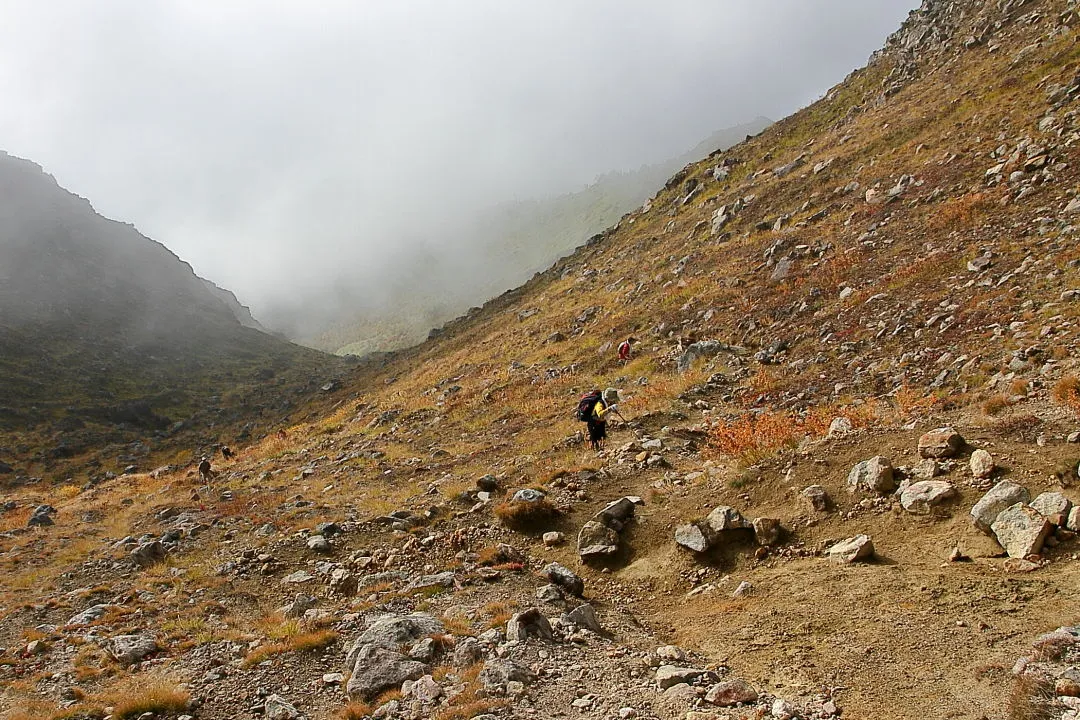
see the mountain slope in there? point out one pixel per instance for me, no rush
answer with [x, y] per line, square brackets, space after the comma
[107, 336]
[501, 248]
[898, 256]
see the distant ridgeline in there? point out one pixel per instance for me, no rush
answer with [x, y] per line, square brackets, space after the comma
[510, 242]
[107, 337]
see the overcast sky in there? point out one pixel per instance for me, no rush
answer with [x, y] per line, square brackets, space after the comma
[278, 146]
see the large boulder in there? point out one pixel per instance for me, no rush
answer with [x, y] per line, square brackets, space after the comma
[375, 669]
[940, 443]
[499, 672]
[670, 675]
[89, 615]
[1004, 494]
[731, 692]
[873, 475]
[527, 624]
[724, 519]
[852, 550]
[565, 578]
[816, 497]
[1053, 506]
[922, 497]
[583, 616]
[692, 537]
[597, 540]
[1021, 530]
[148, 553]
[130, 649]
[618, 512]
[278, 708]
[393, 631]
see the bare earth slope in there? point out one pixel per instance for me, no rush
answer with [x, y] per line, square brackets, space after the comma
[901, 255]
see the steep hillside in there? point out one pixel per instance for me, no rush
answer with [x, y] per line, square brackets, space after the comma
[502, 248]
[896, 258]
[106, 337]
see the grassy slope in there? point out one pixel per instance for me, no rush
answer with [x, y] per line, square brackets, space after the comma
[493, 395]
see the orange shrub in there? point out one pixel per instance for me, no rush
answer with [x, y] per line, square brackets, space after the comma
[1067, 392]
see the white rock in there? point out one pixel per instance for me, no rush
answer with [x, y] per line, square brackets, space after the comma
[851, 550]
[277, 708]
[1051, 504]
[922, 497]
[873, 475]
[1021, 530]
[999, 497]
[982, 464]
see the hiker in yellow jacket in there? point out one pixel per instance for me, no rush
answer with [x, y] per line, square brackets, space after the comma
[597, 423]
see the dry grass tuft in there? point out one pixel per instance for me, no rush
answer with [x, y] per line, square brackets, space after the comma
[1067, 392]
[996, 404]
[160, 697]
[300, 642]
[750, 437]
[357, 711]
[912, 402]
[526, 516]
[1032, 698]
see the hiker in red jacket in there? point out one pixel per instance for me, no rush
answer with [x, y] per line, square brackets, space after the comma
[624, 348]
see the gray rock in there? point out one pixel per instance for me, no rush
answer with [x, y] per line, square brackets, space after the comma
[499, 672]
[550, 594]
[982, 464]
[1003, 495]
[467, 652]
[725, 519]
[670, 675]
[1053, 506]
[343, 582]
[767, 531]
[584, 616]
[564, 577]
[922, 497]
[375, 669]
[130, 649]
[527, 624]
[425, 690]
[528, 495]
[278, 708]
[596, 540]
[692, 537]
[553, 538]
[42, 516]
[393, 631]
[1021, 530]
[816, 497]
[940, 443]
[148, 553]
[852, 550]
[427, 582]
[90, 615]
[745, 589]
[300, 605]
[702, 349]
[873, 475]
[423, 650]
[618, 512]
[783, 269]
[840, 427]
[731, 692]
[297, 578]
[318, 543]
